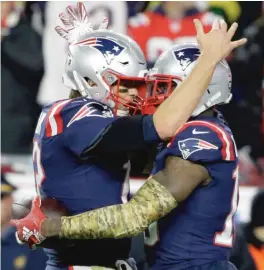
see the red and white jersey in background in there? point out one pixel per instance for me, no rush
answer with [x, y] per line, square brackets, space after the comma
[156, 33]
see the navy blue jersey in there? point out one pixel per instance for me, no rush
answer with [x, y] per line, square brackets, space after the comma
[200, 229]
[66, 129]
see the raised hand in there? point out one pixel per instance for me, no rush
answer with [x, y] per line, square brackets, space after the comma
[217, 44]
[76, 23]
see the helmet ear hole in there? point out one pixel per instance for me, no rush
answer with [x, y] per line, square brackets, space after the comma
[74, 94]
[90, 82]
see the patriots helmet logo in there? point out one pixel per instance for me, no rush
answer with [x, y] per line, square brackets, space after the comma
[186, 56]
[190, 146]
[108, 47]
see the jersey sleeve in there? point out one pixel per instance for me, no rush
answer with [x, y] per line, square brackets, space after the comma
[202, 143]
[86, 127]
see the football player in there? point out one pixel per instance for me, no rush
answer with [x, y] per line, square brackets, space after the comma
[200, 169]
[86, 180]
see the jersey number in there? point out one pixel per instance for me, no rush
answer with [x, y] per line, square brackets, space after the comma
[226, 237]
[125, 188]
[36, 154]
[151, 236]
[38, 169]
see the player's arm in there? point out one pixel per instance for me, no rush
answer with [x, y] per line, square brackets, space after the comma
[214, 46]
[130, 133]
[157, 197]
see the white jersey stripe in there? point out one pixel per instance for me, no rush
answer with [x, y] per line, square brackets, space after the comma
[220, 130]
[52, 120]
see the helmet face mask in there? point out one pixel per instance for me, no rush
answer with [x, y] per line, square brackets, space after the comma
[160, 87]
[127, 93]
[174, 65]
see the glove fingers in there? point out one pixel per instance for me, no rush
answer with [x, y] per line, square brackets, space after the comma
[73, 14]
[66, 20]
[82, 12]
[32, 243]
[33, 238]
[62, 32]
[76, 23]
[79, 15]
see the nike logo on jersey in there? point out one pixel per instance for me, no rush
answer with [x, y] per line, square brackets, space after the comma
[195, 132]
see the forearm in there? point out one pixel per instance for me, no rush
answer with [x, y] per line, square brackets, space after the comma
[176, 109]
[149, 204]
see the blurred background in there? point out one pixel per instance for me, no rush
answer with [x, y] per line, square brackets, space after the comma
[32, 63]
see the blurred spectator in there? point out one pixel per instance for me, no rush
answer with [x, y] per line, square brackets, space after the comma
[169, 22]
[10, 15]
[244, 113]
[229, 10]
[249, 12]
[6, 202]
[21, 71]
[135, 7]
[254, 231]
[13, 255]
[240, 255]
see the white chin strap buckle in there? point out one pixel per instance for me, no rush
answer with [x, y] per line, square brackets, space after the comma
[122, 113]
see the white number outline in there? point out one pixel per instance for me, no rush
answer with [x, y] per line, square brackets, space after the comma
[39, 172]
[126, 187]
[225, 238]
[153, 237]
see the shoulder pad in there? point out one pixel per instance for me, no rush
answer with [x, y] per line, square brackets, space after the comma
[64, 113]
[204, 141]
[81, 108]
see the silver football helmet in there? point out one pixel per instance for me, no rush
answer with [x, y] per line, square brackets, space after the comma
[174, 65]
[105, 58]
